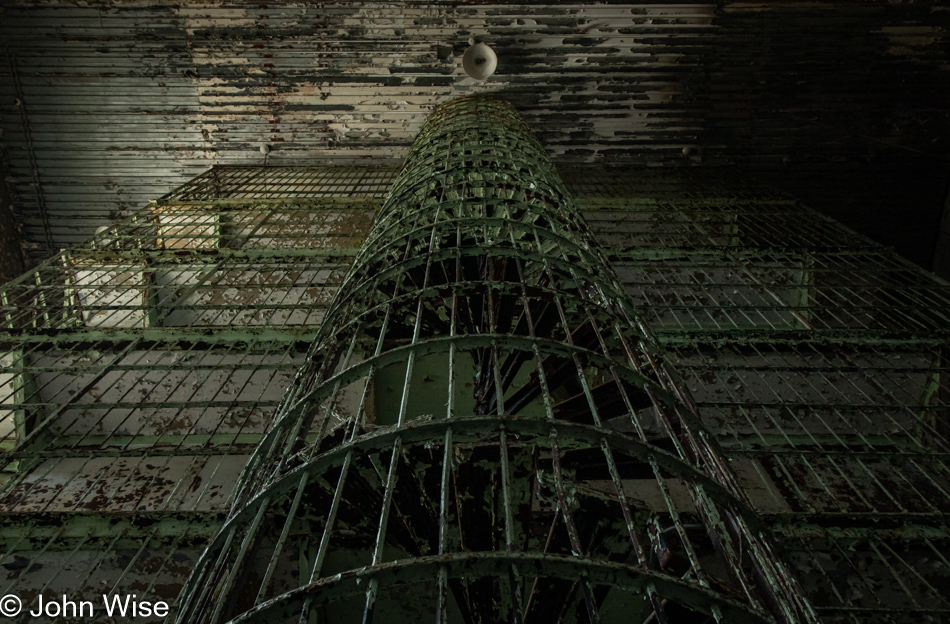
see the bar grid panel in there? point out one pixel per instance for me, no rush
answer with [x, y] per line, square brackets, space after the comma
[478, 412]
[819, 360]
[140, 371]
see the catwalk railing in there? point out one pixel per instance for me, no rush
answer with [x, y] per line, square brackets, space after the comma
[141, 370]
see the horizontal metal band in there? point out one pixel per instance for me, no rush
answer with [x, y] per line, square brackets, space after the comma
[442, 344]
[465, 287]
[379, 242]
[479, 430]
[348, 291]
[498, 564]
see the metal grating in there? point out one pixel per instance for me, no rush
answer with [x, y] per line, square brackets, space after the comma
[237, 182]
[819, 361]
[141, 371]
[479, 427]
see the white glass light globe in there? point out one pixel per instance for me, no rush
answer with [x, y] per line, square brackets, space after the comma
[479, 61]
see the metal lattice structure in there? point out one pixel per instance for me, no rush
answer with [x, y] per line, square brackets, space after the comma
[482, 389]
[141, 371]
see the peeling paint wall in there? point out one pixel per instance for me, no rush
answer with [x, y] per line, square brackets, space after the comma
[105, 105]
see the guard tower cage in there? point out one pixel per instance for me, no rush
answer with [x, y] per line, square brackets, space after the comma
[141, 372]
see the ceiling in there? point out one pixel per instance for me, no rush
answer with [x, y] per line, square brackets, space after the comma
[104, 105]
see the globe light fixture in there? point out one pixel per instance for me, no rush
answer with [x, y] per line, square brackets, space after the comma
[479, 61]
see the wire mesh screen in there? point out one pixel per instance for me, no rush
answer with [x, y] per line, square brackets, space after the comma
[236, 182]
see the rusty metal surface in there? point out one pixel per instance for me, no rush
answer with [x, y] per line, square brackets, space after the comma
[819, 362]
[140, 371]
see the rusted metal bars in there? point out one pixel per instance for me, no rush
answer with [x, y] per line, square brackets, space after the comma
[479, 294]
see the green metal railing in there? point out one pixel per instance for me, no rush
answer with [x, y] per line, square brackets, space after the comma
[139, 372]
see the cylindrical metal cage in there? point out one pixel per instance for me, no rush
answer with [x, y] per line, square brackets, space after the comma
[484, 431]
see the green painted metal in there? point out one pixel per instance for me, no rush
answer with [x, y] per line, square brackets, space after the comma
[481, 421]
[148, 366]
[38, 528]
[139, 372]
